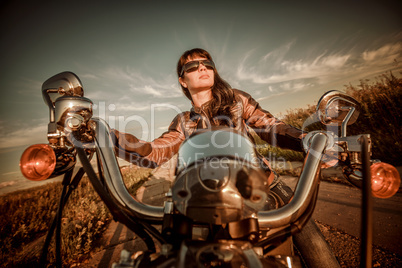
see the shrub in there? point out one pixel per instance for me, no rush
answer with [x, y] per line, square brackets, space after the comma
[380, 116]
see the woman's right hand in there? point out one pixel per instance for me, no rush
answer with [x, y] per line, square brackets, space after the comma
[130, 143]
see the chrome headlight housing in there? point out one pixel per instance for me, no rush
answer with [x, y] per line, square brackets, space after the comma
[219, 179]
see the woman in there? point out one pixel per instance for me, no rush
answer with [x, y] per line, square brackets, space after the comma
[216, 104]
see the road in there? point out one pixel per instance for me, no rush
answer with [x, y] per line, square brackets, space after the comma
[339, 206]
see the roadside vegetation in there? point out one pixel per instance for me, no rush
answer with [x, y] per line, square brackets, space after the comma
[380, 116]
[25, 216]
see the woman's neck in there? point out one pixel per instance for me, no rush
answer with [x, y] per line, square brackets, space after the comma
[201, 97]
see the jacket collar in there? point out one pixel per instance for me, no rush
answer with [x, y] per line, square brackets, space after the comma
[205, 109]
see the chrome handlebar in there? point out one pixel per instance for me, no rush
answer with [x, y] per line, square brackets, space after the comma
[114, 178]
[304, 191]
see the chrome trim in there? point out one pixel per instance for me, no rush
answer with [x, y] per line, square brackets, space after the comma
[353, 143]
[65, 83]
[330, 142]
[114, 178]
[72, 112]
[345, 122]
[334, 107]
[304, 191]
[240, 197]
[354, 175]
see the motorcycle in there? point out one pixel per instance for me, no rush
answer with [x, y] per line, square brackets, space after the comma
[215, 214]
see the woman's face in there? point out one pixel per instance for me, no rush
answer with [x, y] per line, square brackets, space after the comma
[201, 79]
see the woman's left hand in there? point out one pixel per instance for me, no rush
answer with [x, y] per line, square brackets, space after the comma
[330, 159]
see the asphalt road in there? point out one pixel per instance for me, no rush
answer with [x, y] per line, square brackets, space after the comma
[339, 206]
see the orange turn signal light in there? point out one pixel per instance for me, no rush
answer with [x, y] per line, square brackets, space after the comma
[38, 162]
[385, 180]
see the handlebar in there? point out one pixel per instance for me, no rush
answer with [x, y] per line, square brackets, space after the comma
[304, 191]
[114, 178]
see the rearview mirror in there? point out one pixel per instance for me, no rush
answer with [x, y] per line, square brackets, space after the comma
[65, 84]
[62, 84]
[337, 108]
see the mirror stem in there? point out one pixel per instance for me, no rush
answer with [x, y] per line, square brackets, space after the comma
[346, 120]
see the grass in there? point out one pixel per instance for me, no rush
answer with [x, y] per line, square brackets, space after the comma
[26, 216]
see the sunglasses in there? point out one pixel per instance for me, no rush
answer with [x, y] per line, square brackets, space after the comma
[192, 66]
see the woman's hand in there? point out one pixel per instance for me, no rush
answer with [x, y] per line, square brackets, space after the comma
[330, 159]
[130, 143]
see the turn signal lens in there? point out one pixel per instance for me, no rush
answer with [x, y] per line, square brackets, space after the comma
[385, 180]
[38, 162]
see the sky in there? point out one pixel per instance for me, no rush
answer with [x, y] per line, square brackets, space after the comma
[286, 54]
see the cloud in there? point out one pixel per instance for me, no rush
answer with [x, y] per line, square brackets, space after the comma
[89, 76]
[147, 89]
[289, 70]
[383, 55]
[24, 136]
[278, 67]
[285, 88]
[123, 109]
[138, 82]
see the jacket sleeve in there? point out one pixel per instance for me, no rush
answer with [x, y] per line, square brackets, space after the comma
[267, 127]
[150, 154]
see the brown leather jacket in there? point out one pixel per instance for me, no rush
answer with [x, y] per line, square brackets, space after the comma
[247, 113]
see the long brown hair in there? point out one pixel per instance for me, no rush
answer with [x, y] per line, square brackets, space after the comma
[223, 95]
